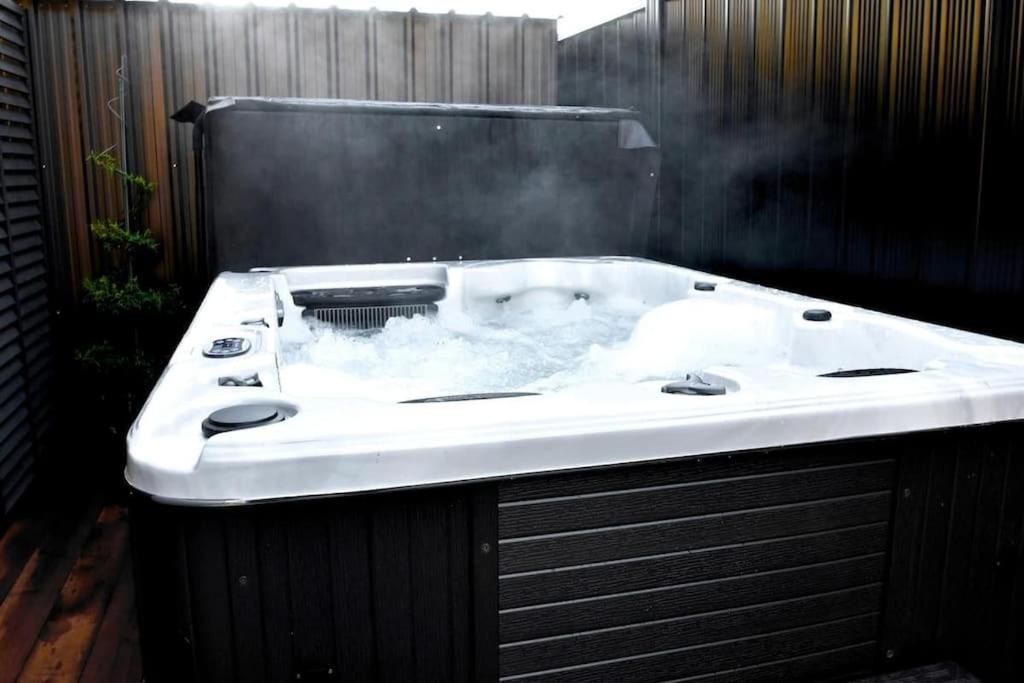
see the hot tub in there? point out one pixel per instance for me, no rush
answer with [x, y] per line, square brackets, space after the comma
[571, 470]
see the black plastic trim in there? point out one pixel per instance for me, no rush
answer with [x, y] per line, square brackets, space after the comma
[351, 297]
[867, 372]
[472, 397]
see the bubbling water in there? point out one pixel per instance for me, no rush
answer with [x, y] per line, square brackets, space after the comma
[540, 350]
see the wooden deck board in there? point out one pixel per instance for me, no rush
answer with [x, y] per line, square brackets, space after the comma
[115, 654]
[27, 606]
[16, 547]
[67, 599]
[67, 636]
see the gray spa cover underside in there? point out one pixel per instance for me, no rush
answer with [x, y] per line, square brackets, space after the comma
[291, 182]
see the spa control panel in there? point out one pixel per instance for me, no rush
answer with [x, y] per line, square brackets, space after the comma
[228, 347]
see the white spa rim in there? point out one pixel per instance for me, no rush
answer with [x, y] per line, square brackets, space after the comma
[349, 444]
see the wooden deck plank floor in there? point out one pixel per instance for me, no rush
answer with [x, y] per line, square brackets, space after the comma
[67, 603]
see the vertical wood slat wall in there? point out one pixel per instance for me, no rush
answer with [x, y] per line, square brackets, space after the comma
[865, 150]
[181, 52]
[26, 351]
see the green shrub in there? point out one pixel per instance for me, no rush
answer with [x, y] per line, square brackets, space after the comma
[129, 318]
[116, 238]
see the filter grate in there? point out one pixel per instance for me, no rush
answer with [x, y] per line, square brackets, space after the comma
[369, 317]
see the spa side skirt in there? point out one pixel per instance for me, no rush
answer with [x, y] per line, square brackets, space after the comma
[797, 563]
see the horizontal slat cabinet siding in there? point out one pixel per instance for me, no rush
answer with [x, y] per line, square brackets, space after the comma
[26, 355]
[667, 571]
[691, 499]
[692, 533]
[794, 564]
[772, 556]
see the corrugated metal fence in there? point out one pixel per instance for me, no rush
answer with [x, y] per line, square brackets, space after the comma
[867, 151]
[179, 52]
[605, 65]
[26, 353]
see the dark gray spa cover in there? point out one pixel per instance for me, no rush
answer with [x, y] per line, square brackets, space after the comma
[289, 182]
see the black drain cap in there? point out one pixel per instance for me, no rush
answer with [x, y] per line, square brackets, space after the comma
[704, 286]
[240, 417]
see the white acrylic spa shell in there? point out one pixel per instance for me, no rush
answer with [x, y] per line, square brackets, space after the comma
[752, 340]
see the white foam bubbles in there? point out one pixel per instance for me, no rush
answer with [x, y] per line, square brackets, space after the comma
[545, 348]
[452, 353]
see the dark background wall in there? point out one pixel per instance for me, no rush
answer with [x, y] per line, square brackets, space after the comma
[866, 151]
[180, 52]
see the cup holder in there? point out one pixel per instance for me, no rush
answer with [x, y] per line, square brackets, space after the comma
[245, 416]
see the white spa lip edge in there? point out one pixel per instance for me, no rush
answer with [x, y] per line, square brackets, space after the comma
[348, 445]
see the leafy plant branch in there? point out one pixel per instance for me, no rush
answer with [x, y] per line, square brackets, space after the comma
[107, 162]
